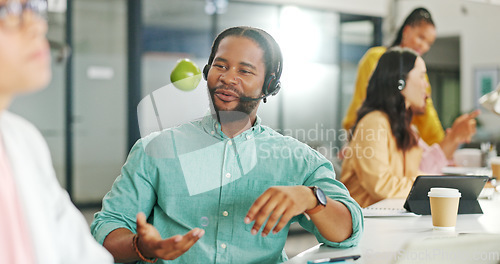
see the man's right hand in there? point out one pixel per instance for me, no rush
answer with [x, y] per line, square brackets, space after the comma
[151, 245]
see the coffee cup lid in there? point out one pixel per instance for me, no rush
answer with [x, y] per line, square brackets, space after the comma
[444, 192]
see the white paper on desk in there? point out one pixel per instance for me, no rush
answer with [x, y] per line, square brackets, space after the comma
[451, 249]
[480, 171]
[387, 208]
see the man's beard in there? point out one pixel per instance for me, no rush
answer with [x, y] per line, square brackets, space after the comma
[241, 111]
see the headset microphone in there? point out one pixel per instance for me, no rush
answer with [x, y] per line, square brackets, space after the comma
[271, 87]
[248, 99]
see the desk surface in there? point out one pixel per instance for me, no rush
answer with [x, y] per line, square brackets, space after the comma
[384, 236]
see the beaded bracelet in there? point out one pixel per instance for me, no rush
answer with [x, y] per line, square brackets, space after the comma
[135, 240]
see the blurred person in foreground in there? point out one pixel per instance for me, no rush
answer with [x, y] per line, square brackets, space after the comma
[38, 222]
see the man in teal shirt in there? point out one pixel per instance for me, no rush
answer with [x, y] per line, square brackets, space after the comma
[229, 184]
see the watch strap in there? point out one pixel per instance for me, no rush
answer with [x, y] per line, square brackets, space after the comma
[318, 207]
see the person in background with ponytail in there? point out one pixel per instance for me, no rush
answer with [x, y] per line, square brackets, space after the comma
[418, 32]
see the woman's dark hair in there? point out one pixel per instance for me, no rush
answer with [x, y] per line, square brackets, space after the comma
[416, 17]
[383, 94]
[272, 52]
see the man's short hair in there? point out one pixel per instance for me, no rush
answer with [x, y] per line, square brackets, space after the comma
[272, 52]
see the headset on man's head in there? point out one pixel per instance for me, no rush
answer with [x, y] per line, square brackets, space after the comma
[272, 83]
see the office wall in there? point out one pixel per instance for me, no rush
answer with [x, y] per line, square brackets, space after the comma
[445, 53]
[361, 7]
[475, 24]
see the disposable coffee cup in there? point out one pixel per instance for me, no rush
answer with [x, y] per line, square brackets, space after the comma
[444, 208]
[495, 167]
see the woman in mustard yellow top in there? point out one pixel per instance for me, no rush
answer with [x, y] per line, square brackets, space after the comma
[383, 155]
[418, 33]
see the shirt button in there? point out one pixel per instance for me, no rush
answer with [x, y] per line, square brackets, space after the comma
[223, 245]
[228, 175]
[230, 142]
[225, 213]
[216, 125]
[249, 137]
[213, 132]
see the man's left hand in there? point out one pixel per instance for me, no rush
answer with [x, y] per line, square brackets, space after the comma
[279, 203]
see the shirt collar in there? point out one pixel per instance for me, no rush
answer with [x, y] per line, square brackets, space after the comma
[211, 126]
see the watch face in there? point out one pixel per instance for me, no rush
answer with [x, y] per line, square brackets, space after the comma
[320, 195]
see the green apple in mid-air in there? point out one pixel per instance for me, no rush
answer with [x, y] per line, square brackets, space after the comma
[186, 75]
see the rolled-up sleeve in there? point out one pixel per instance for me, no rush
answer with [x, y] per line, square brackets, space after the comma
[131, 193]
[324, 177]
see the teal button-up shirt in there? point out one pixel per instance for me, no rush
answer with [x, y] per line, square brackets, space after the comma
[195, 176]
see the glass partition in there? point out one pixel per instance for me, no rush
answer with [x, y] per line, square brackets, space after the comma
[307, 107]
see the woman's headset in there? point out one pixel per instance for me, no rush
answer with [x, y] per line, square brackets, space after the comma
[401, 82]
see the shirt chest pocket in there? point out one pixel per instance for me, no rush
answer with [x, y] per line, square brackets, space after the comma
[190, 211]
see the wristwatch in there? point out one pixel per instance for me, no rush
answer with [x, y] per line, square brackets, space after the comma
[321, 197]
